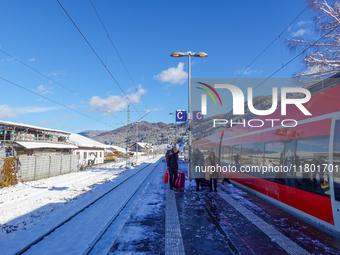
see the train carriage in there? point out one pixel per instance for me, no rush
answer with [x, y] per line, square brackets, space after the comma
[307, 155]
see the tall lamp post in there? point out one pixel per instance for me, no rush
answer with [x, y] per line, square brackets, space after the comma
[199, 54]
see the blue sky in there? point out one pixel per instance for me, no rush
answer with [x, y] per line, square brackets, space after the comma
[145, 33]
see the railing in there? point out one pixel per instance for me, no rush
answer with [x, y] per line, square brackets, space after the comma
[30, 137]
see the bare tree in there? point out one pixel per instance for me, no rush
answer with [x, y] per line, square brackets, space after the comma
[321, 58]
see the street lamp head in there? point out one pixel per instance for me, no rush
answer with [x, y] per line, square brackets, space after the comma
[200, 54]
[178, 54]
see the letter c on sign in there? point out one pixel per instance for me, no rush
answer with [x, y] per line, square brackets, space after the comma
[178, 117]
[199, 115]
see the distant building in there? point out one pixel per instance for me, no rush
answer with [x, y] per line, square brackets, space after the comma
[89, 151]
[115, 149]
[142, 147]
[41, 152]
[17, 139]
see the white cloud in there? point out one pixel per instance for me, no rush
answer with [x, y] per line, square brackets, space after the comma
[302, 22]
[35, 109]
[31, 60]
[300, 32]
[174, 75]
[54, 73]
[6, 112]
[47, 122]
[115, 103]
[43, 90]
[154, 109]
[248, 71]
[53, 120]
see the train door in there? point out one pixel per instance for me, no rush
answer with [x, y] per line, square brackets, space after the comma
[334, 171]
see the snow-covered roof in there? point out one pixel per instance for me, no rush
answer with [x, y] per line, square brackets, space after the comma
[10, 123]
[35, 145]
[143, 145]
[116, 148]
[82, 141]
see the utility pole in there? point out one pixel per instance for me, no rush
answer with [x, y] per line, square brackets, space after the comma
[128, 137]
[127, 149]
[137, 150]
[148, 144]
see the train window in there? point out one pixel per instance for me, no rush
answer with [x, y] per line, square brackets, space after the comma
[206, 152]
[311, 154]
[248, 154]
[259, 153]
[252, 155]
[273, 157]
[236, 158]
[289, 161]
[225, 156]
[336, 161]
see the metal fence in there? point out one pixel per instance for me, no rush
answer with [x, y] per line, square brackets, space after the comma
[40, 167]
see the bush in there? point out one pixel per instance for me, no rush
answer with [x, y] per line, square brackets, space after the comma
[9, 172]
[110, 158]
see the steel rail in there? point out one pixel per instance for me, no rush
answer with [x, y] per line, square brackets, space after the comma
[40, 238]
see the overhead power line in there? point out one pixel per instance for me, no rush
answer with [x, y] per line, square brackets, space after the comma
[121, 60]
[56, 102]
[302, 52]
[35, 70]
[278, 37]
[101, 61]
[64, 87]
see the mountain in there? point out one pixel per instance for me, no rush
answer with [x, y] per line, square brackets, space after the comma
[161, 133]
[91, 133]
[155, 133]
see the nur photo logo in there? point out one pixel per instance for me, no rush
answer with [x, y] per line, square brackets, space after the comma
[239, 104]
[204, 97]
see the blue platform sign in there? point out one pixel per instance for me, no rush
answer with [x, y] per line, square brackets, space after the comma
[181, 116]
[197, 116]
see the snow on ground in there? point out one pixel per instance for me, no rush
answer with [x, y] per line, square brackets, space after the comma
[30, 209]
[144, 231]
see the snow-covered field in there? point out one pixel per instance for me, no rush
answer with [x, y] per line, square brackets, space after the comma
[29, 209]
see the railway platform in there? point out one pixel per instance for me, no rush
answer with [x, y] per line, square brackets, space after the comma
[229, 221]
[136, 213]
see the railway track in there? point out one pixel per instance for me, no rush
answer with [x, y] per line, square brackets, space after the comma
[91, 222]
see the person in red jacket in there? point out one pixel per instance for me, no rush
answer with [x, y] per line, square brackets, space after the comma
[172, 164]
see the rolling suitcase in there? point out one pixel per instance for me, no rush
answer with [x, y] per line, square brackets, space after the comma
[180, 180]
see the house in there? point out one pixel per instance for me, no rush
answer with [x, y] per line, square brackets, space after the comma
[142, 147]
[40, 152]
[115, 149]
[89, 151]
[18, 139]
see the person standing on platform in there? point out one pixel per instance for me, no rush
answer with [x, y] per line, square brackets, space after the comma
[197, 159]
[213, 162]
[172, 164]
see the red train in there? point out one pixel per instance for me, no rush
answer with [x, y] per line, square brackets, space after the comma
[310, 189]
